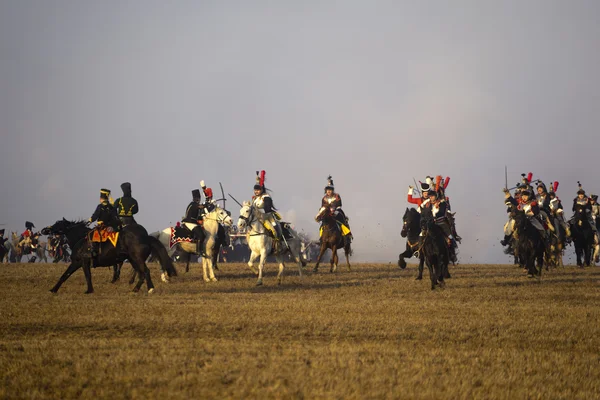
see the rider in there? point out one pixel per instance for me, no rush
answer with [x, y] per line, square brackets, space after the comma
[106, 217]
[209, 202]
[557, 211]
[27, 235]
[595, 209]
[583, 201]
[193, 219]
[531, 209]
[439, 208]
[263, 201]
[425, 186]
[333, 201]
[126, 206]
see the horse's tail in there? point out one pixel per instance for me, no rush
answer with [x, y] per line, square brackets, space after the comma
[159, 251]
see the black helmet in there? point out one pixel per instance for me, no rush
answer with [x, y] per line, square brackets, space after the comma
[196, 194]
[29, 225]
[541, 185]
[581, 191]
[126, 188]
[432, 192]
[594, 197]
[104, 193]
[329, 183]
[258, 187]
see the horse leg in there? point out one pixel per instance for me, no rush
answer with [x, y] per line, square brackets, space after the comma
[261, 266]
[321, 252]
[347, 260]
[141, 276]
[421, 265]
[70, 269]
[88, 276]
[149, 283]
[253, 257]
[116, 272]
[334, 259]
[279, 259]
[432, 276]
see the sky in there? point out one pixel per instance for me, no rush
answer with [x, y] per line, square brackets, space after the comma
[375, 93]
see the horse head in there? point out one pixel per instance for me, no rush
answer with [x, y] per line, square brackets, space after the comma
[245, 215]
[323, 213]
[224, 216]
[410, 222]
[61, 227]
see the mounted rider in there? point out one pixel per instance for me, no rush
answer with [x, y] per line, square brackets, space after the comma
[27, 235]
[531, 209]
[126, 206]
[209, 202]
[263, 201]
[436, 207]
[193, 219]
[583, 201]
[333, 201]
[557, 212]
[595, 209]
[106, 217]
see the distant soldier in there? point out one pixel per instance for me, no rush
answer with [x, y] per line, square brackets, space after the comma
[126, 206]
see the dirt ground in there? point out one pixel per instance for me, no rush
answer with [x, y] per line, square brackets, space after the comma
[374, 332]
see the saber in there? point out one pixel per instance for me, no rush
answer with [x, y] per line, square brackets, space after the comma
[505, 177]
[417, 187]
[223, 197]
[234, 199]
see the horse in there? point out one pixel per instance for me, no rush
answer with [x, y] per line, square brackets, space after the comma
[411, 229]
[39, 248]
[529, 243]
[261, 242]
[133, 243]
[583, 236]
[211, 245]
[331, 239]
[5, 249]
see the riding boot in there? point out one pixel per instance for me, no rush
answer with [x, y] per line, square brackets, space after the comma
[505, 241]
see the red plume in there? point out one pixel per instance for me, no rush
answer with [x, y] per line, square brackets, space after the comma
[262, 178]
[555, 186]
[446, 182]
[438, 180]
[529, 177]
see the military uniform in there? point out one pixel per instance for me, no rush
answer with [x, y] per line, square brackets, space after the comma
[192, 219]
[126, 206]
[334, 203]
[106, 217]
[557, 212]
[209, 202]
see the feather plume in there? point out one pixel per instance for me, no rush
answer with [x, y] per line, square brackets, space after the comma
[438, 181]
[529, 177]
[261, 181]
[446, 182]
[555, 186]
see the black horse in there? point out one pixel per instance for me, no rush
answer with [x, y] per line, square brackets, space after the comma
[583, 236]
[133, 244]
[529, 243]
[411, 229]
[432, 248]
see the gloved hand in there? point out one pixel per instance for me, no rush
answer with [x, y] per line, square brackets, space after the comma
[505, 190]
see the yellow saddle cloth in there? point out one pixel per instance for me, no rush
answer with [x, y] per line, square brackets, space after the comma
[102, 235]
[343, 227]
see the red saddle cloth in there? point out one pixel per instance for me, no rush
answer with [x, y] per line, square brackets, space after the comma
[102, 235]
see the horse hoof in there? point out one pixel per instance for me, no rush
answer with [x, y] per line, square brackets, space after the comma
[206, 280]
[418, 278]
[164, 277]
[259, 283]
[89, 291]
[151, 290]
[213, 279]
[279, 281]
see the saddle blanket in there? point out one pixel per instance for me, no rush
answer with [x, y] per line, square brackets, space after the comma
[101, 236]
[343, 228]
[180, 235]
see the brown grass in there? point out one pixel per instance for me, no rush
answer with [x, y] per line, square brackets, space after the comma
[370, 333]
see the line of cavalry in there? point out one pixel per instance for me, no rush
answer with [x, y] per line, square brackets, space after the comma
[536, 233]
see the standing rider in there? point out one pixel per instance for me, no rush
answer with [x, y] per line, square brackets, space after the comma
[193, 219]
[126, 206]
[263, 201]
[333, 201]
[106, 217]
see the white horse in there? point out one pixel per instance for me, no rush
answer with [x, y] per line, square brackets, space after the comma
[209, 250]
[261, 243]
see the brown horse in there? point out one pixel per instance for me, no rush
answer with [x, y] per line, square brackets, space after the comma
[331, 238]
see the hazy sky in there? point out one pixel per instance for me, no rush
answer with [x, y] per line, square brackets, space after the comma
[164, 94]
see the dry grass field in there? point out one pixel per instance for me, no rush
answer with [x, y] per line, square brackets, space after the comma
[371, 333]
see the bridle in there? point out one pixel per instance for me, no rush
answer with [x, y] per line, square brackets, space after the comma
[249, 220]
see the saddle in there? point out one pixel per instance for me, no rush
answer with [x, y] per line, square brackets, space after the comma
[102, 234]
[180, 234]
